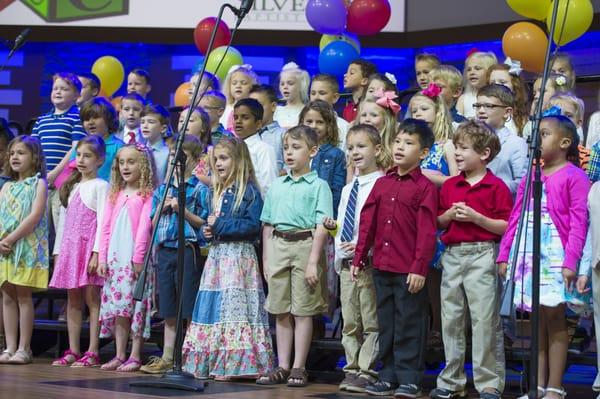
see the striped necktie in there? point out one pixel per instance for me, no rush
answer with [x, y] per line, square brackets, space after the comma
[348, 228]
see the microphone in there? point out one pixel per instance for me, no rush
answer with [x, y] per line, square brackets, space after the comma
[19, 41]
[244, 9]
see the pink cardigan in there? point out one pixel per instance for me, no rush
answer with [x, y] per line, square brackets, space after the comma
[138, 209]
[566, 193]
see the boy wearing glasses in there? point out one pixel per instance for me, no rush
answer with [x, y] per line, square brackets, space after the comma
[494, 106]
[213, 102]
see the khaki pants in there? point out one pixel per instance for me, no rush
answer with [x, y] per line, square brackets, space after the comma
[469, 284]
[288, 290]
[360, 335]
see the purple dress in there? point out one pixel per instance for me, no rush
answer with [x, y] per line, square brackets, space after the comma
[70, 271]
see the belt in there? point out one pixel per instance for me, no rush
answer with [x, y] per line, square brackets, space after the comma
[293, 235]
[473, 245]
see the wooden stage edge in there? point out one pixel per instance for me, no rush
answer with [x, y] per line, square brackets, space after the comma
[41, 380]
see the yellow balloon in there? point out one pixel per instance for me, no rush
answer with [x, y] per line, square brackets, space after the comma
[573, 19]
[110, 72]
[535, 9]
[326, 39]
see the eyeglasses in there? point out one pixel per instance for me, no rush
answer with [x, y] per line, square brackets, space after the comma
[488, 106]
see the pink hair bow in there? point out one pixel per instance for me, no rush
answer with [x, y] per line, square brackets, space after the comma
[432, 91]
[141, 147]
[386, 100]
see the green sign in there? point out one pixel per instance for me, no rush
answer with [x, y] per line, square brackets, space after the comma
[73, 10]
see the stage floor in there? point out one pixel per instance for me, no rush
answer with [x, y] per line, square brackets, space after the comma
[41, 380]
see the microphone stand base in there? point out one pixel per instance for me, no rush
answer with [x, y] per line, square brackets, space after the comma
[173, 380]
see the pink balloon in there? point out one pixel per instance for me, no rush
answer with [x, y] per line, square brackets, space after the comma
[368, 17]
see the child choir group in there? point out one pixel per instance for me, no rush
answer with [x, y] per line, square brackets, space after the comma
[415, 210]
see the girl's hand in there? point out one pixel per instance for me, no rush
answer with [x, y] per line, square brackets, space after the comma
[137, 268]
[329, 223]
[167, 208]
[5, 247]
[211, 220]
[581, 284]
[568, 278]
[451, 212]
[102, 270]
[502, 268]
[93, 264]
[354, 272]
[51, 178]
[348, 248]
[311, 276]
[207, 230]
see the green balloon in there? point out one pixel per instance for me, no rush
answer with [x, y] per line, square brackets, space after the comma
[326, 39]
[233, 57]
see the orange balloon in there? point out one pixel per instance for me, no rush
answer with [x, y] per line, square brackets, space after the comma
[116, 102]
[182, 96]
[102, 93]
[527, 43]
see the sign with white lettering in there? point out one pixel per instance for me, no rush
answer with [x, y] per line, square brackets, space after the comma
[265, 14]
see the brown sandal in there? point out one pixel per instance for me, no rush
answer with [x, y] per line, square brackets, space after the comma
[274, 377]
[300, 375]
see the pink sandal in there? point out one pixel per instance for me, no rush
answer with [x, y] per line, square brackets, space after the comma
[68, 358]
[130, 366]
[89, 359]
[113, 364]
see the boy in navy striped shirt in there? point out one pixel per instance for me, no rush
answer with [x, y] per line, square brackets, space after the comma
[59, 131]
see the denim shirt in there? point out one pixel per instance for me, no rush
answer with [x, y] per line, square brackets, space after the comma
[243, 224]
[195, 202]
[330, 165]
[3, 179]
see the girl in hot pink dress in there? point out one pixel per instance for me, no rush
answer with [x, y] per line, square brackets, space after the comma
[76, 248]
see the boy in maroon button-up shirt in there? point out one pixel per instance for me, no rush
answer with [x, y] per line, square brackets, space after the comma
[399, 221]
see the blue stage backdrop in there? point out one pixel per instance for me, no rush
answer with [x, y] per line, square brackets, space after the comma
[25, 84]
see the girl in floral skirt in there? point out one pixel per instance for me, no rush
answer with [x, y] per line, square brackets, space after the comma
[229, 335]
[125, 238]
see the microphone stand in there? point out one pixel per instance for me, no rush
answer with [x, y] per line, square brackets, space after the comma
[177, 378]
[534, 157]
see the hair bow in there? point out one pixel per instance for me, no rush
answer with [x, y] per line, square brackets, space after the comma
[514, 65]
[391, 77]
[561, 80]
[432, 91]
[552, 111]
[141, 147]
[386, 100]
[290, 66]
[238, 66]
[472, 51]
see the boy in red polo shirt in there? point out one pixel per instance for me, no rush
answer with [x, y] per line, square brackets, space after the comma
[474, 210]
[399, 221]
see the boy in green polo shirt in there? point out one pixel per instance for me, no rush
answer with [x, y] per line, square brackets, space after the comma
[293, 254]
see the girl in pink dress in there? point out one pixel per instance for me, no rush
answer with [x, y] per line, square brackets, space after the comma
[125, 238]
[76, 249]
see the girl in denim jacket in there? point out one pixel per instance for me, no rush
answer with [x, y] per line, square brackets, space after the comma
[229, 335]
[330, 161]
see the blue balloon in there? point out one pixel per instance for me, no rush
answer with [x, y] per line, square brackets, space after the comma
[336, 56]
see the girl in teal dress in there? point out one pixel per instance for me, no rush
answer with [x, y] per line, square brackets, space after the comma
[23, 244]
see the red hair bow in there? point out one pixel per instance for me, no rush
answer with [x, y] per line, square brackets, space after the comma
[386, 100]
[432, 91]
[472, 51]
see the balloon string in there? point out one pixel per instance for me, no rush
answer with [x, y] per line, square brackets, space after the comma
[562, 27]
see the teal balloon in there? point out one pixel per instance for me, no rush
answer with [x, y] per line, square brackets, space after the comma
[231, 58]
[336, 56]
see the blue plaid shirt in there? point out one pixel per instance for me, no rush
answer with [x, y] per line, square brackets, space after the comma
[594, 164]
[196, 196]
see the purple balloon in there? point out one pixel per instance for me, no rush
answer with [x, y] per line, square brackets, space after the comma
[327, 16]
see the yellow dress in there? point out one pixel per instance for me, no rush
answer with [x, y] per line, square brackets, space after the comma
[27, 264]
